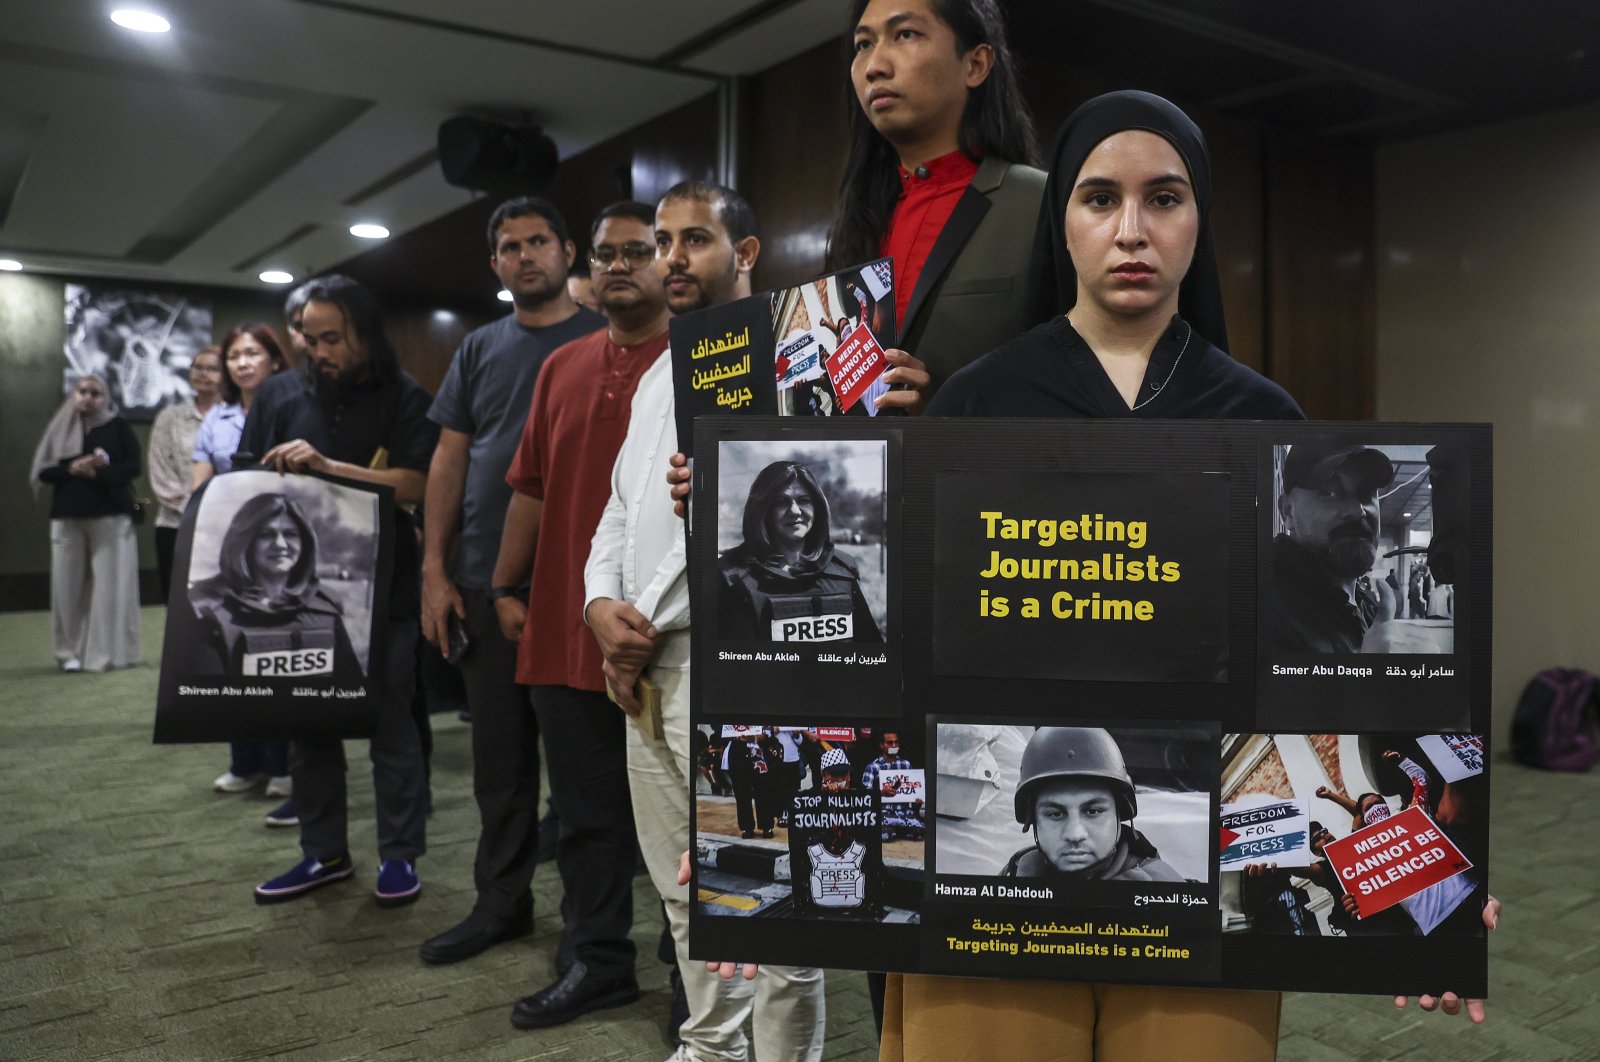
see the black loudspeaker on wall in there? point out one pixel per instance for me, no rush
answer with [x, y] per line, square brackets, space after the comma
[488, 157]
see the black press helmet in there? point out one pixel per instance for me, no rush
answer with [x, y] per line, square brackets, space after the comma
[1072, 752]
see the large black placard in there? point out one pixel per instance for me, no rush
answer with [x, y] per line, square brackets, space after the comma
[1268, 770]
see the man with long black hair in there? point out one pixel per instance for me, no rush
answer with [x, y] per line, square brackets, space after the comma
[350, 411]
[939, 175]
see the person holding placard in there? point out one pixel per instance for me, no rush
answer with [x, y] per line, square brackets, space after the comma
[1138, 331]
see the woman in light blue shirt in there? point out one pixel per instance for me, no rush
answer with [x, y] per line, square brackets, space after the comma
[250, 353]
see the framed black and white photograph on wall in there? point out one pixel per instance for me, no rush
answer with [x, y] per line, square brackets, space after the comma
[139, 342]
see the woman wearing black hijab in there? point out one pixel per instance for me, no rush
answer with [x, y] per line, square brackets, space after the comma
[1135, 329]
[1135, 324]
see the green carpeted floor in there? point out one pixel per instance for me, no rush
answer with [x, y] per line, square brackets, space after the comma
[127, 928]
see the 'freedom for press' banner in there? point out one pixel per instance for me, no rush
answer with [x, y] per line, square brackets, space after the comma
[1265, 833]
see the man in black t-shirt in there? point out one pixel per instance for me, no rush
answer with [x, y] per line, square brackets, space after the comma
[480, 409]
[350, 412]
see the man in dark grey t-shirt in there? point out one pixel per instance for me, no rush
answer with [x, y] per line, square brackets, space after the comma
[480, 409]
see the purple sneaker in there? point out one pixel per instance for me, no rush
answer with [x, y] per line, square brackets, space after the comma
[306, 875]
[397, 883]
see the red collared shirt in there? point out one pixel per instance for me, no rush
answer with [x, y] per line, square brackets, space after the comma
[575, 427]
[928, 197]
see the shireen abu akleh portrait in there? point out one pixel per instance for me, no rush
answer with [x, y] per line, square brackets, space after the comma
[281, 578]
[1073, 804]
[801, 539]
[1365, 547]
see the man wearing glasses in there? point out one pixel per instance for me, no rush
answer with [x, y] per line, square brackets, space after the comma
[561, 479]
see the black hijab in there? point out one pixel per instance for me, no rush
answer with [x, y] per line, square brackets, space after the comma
[1200, 294]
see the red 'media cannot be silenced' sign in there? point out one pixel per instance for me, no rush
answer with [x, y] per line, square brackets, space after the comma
[1384, 863]
[855, 365]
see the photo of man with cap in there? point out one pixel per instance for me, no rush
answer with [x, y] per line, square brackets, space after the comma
[1317, 597]
[1074, 791]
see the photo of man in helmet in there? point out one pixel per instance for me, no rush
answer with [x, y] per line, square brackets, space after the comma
[1076, 795]
[1129, 805]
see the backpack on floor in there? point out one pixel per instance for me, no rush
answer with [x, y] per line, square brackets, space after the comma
[1557, 722]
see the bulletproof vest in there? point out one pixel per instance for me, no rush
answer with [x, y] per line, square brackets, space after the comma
[294, 646]
[813, 617]
[838, 880]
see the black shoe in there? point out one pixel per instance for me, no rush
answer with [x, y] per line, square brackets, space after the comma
[575, 994]
[677, 1011]
[747, 834]
[479, 932]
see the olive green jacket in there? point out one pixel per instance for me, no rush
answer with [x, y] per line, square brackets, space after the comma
[975, 291]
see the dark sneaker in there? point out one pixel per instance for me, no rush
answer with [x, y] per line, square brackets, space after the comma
[577, 993]
[307, 874]
[397, 883]
[284, 814]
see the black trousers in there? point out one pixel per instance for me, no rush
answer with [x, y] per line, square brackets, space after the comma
[751, 798]
[166, 545]
[318, 767]
[586, 755]
[505, 764]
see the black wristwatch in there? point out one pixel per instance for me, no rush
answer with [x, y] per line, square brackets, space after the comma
[495, 593]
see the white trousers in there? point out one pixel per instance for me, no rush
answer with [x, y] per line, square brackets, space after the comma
[94, 591]
[790, 1016]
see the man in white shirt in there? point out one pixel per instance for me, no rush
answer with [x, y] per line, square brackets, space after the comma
[637, 604]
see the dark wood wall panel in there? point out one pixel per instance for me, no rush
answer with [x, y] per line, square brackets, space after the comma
[1321, 280]
[793, 141]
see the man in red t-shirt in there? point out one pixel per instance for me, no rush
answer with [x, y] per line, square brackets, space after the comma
[561, 478]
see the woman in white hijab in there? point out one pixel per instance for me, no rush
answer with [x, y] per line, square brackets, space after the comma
[89, 457]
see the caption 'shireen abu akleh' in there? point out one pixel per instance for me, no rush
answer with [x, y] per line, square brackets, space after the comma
[1108, 567]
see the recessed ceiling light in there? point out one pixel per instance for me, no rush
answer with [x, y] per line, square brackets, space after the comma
[277, 276]
[140, 21]
[504, 296]
[1406, 515]
[369, 231]
[11, 265]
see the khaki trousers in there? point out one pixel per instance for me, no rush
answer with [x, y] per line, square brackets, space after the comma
[94, 591]
[790, 1017]
[948, 1019]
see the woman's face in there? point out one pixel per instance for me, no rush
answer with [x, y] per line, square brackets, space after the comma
[248, 363]
[205, 375]
[1131, 224]
[792, 515]
[89, 397]
[276, 547]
